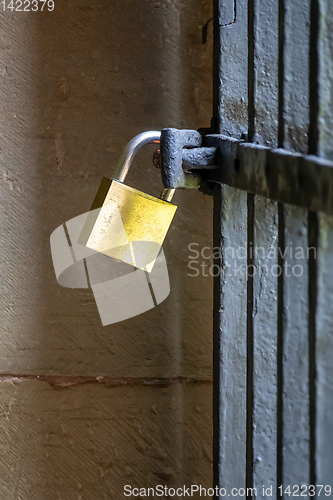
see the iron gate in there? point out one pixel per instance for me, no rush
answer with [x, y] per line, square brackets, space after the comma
[273, 331]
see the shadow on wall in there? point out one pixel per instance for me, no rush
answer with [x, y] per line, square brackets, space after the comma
[78, 83]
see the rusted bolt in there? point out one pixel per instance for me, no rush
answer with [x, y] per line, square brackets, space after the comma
[157, 158]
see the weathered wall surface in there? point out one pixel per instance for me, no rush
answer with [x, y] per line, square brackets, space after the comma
[89, 441]
[76, 85]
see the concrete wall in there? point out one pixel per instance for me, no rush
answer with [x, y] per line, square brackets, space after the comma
[76, 84]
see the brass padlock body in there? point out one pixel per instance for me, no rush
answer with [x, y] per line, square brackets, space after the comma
[127, 224]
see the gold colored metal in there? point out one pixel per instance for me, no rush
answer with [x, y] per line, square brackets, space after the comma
[167, 194]
[127, 224]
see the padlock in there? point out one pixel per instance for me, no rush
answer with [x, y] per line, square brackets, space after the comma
[125, 223]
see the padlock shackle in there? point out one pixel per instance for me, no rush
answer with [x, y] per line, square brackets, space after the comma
[130, 151]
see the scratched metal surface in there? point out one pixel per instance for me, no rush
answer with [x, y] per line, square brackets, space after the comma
[230, 230]
[273, 87]
[323, 340]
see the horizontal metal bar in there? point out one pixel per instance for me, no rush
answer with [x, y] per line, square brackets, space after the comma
[198, 158]
[280, 175]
